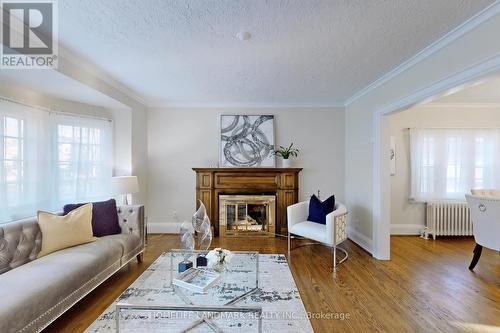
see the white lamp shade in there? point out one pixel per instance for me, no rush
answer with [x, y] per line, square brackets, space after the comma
[124, 185]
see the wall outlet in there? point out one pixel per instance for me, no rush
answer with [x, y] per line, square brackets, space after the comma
[175, 216]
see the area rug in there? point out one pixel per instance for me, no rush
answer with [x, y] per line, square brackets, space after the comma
[277, 295]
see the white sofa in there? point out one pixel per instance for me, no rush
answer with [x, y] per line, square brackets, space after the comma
[330, 234]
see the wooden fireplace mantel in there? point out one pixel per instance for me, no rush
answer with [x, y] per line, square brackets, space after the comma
[282, 182]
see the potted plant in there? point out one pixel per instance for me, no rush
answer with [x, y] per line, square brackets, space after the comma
[285, 154]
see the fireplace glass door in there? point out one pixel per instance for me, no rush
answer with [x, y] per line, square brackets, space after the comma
[250, 215]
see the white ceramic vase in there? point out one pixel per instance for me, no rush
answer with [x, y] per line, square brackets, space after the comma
[286, 163]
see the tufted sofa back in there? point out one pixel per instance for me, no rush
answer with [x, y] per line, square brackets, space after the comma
[20, 243]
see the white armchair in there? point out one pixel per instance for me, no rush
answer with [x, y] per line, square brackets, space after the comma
[330, 234]
[485, 214]
[486, 192]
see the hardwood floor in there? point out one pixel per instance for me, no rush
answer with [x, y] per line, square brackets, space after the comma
[426, 287]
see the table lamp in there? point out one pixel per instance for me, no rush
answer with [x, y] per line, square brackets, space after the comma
[125, 185]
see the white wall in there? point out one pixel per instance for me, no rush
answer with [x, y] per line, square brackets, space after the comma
[139, 156]
[122, 142]
[474, 47]
[182, 138]
[408, 218]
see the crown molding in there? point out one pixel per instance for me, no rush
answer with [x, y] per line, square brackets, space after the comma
[243, 105]
[473, 22]
[420, 97]
[461, 105]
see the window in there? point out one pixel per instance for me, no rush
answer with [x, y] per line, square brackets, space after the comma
[50, 159]
[453, 169]
[480, 164]
[447, 163]
[81, 166]
[427, 184]
[12, 160]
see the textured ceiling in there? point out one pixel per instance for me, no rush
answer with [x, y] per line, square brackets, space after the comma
[304, 52]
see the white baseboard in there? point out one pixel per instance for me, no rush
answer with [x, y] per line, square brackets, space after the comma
[360, 239]
[406, 229]
[164, 228]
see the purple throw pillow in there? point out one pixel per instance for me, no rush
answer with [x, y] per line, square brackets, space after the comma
[104, 217]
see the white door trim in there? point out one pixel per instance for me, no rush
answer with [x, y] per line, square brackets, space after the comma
[381, 186]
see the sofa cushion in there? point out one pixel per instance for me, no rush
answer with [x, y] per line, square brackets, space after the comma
[31, 289]
[128, 242]
[60, 232]
[104, 217]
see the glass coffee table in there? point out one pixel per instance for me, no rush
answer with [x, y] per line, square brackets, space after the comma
[156, 305]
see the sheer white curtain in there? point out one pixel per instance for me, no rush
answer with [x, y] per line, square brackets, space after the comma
[23, 161]
[82, 151]
[50, 159]
[447, 163]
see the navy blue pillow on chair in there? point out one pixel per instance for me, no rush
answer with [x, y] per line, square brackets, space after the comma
[319, 210]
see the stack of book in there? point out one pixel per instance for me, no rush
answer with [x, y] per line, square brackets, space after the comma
[197, 279]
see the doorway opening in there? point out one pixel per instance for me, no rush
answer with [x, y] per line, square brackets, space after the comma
[442, 95]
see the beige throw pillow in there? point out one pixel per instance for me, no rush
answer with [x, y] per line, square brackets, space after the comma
[60, 232]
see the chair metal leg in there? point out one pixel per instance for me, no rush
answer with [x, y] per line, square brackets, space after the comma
[346, 255]
[334, 257]
[289, 245]
[477, 254]
[335, 263]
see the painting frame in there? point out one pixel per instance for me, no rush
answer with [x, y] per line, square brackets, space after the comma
[246, 141]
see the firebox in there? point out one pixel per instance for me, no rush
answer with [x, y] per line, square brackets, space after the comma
[247, 215]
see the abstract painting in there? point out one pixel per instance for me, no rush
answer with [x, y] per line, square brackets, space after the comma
[246, 141]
